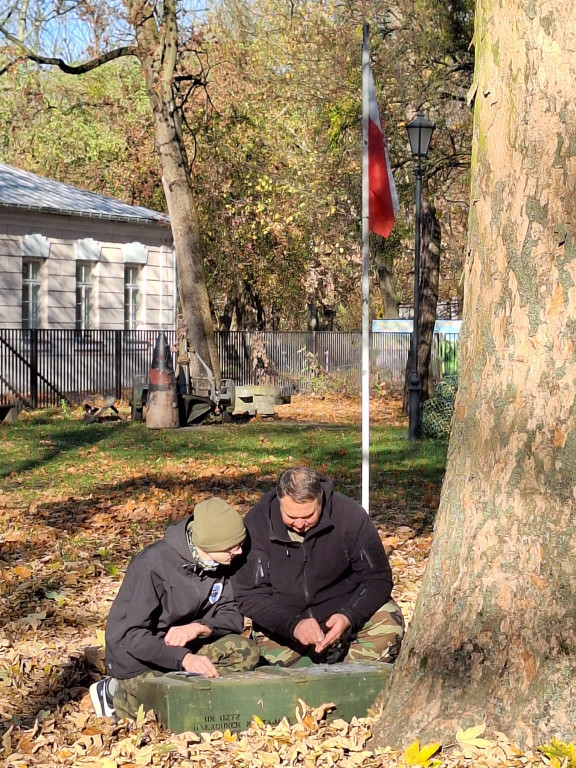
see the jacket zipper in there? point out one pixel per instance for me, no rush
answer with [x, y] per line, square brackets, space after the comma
[368, 558]
[360, 596]
[306, 590]
[259, 571]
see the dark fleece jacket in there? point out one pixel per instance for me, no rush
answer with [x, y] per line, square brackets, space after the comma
[340, 567]
[162, 588]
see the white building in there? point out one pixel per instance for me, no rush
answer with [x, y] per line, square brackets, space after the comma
[71, 259]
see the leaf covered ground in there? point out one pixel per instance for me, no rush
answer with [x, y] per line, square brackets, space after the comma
[78, 500]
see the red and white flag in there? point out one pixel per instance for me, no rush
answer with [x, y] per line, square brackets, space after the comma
[383, 199]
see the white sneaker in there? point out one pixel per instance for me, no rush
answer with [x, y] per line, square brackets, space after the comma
[101, 699]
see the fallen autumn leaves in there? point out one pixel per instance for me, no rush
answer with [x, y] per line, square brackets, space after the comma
[62, 555]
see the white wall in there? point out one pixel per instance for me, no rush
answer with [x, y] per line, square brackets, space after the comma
[63, 233]
[10, 282]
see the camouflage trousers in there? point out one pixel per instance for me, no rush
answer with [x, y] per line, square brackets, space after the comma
[231, 653]
[378, 640]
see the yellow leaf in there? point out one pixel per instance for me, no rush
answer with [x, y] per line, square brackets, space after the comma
[258, 721]
[427, 751]
[469, 737]
[411, 753]
[140, 716]
[100, 638]
[471, 733]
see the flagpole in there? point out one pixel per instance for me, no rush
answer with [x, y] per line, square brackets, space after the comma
[365, 275]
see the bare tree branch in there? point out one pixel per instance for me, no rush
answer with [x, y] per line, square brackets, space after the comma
[70, 69]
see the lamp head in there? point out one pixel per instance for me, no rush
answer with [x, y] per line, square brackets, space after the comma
[420, 132]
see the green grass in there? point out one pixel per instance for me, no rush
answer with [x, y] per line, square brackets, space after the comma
[65, 456]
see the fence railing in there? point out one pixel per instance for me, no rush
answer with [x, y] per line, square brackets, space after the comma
[44, 367]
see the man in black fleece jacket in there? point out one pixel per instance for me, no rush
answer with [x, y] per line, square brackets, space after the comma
[314, 578]
[175, 610]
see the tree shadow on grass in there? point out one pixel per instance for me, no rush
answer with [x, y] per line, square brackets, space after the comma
[54, 443]
[100, 530]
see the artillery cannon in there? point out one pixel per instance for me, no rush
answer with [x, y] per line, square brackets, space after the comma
[198, 398]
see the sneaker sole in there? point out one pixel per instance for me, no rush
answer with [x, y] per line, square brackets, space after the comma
[97, 697]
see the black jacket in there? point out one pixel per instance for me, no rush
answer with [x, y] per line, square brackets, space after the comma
[341, 567]
[162, 589]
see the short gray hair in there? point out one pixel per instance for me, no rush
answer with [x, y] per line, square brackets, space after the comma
[302, 484]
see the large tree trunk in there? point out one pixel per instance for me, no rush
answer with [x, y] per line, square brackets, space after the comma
[186, 232]
[157, 51]
[493, 637]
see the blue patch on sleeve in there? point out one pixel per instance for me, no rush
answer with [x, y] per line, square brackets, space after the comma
[215, 594]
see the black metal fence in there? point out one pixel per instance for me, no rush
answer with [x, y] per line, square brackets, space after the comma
[44, 367]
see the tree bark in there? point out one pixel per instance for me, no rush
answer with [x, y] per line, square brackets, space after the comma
[493, 638]
[430, 279]
[385, 274]
[157, 48]
[428, 299]
[313, 323]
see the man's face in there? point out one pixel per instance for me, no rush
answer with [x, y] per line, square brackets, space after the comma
[300, 516]
[226, 557]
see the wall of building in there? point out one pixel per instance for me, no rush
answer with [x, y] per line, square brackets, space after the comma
[57, 242]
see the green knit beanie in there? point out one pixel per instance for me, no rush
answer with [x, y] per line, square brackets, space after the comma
[216, 526]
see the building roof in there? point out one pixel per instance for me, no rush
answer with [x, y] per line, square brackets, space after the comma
[27, 191]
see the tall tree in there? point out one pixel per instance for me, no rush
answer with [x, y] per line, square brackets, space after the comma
[494, 634]
[155, 42]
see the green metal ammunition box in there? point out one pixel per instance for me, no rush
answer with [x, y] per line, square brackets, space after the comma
[195, 703]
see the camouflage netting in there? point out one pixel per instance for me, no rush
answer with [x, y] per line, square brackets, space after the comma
[437, 412]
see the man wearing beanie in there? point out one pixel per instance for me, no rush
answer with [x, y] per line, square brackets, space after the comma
[175, 610]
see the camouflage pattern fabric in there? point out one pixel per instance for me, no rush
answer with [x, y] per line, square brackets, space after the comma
[231, 653]
[378, 640]
[437, 412]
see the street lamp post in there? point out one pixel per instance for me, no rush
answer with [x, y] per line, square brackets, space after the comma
[420, 132]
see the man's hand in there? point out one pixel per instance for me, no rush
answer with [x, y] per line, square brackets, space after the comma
[181, 636]
[337, 624]
[199, 664]
[308, 632]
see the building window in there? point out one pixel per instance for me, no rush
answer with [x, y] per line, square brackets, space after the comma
[131, 297]
[84, 296]
[31, 292]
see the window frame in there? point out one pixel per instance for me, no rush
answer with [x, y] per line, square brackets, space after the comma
[32, 286]
[132, 296]
[84, 305]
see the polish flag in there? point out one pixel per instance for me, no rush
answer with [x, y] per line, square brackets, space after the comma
[383, 200]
